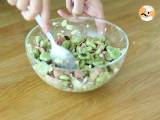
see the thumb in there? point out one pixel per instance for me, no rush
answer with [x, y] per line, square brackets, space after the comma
[78, 7]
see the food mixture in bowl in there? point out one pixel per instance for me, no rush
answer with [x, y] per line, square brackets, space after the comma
[93, 55]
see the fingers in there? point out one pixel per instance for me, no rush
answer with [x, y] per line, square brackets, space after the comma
[12, 2]
[69, 5]
[101, 10]
[39, 7]
[63, 14]
[46, 14]
[35, 9]
[22, 4]
[27, 15]
[75, 6]
[78, 7]
[66, 15]
[94, 8]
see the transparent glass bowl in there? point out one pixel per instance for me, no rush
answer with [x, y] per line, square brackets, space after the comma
[98, 76]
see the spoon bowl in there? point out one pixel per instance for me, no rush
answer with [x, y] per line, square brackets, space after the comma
[61, 56]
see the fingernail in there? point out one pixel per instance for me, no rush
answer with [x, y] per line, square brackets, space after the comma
[60, 12]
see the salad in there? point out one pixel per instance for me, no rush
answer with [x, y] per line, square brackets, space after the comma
[93, 55]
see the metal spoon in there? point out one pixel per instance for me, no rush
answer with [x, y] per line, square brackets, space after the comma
[57, 52]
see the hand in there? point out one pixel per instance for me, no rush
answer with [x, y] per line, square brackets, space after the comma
[36, 7]
[92, 8]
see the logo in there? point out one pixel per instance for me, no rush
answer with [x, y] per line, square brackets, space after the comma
[147, 13]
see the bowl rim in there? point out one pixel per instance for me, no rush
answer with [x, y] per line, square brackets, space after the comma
[125, 50]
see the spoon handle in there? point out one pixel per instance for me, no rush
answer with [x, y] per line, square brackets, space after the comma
[39, 20]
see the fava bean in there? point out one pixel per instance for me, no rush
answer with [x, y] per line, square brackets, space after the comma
[98, 63]
[65, 84]
[114, 53]
[78, 49]
[90, 44]
[99, 50]
[36, 52]
[83, 56]
[38, 39]
[66, 44]
[82, 64]
[44, 44]
[69, 27]
[64, 23]
[64, 77]
[89, 49]
[77, 40]
[45, 56]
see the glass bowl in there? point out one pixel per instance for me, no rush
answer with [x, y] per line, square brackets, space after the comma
[78, 80]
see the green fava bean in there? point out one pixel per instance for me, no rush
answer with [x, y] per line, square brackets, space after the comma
[108, 57]
[114, 53]
[78, 49]
[82, 64]
[38, 39]
[77, 39]
[69, 27]
[75, 54]
[98, 42]
[36, 52]
[66, 44]
[73, 50]
[65, 84]
[96, 56]
[99, 50]
[84, 56]
[89, 49]
[98, 62]
[64, 23]
[49, 46]
[64, 77]
[84, 50]
[86, 70]
[72, 46]
[90, 44]
[45, 56]
[44, 44]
